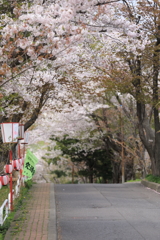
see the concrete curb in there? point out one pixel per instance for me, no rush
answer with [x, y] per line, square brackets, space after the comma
[152, 185]
[52, 229]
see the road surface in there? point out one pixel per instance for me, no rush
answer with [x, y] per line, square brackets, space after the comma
[107, 212]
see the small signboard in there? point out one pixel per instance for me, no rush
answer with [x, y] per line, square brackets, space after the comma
[29, 165]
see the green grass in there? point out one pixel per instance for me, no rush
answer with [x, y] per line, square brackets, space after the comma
[3, 194]
[152, 178]
[18, 203]
[136, 180]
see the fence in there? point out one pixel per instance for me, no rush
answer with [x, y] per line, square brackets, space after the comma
[4, 209]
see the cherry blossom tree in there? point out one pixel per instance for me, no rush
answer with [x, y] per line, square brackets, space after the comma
[50, 47]
[136, 63]
[133, 67]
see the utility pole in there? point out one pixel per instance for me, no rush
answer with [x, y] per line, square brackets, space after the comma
[122, 146]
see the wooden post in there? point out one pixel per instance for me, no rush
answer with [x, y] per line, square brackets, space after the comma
[72, 173]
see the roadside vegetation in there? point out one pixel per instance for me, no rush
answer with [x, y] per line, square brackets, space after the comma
[152, 178]
[136, 180]
[4, 194]
[19, 203]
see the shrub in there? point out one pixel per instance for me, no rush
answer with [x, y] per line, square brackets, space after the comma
[152, 178]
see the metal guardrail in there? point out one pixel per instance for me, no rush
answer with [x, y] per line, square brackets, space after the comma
[4, 210]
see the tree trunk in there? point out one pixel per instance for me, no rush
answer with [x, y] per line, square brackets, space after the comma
[149, 137]
[90, 174]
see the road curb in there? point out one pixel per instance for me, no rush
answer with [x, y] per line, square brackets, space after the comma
[52, 229]
[152, 185]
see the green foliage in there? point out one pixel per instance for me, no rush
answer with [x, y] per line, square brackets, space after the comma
[97, 161]
[6, 7]
[53, 160]
[152, 178]
[17, 204]
[59, 173]
[98, 164]
[29, 184]
[65, 145]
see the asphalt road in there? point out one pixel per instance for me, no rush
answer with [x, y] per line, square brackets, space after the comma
[107, 212]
